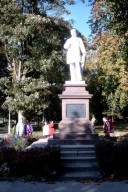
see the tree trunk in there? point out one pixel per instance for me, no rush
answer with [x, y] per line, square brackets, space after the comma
[9, 122]
[20, 117]
[20, 124]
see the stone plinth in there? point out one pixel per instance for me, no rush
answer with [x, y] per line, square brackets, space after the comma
[75, 124]
[76, 97]
[75, 111]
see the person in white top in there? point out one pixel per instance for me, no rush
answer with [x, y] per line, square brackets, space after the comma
[93, 120]
[45, 129]
[75, 55]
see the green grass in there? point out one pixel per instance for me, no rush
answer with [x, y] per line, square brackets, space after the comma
[99, 130]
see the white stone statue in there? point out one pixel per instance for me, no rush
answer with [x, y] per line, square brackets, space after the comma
[75, 55]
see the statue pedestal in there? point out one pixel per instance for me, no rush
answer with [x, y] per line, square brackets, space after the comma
[75, 124]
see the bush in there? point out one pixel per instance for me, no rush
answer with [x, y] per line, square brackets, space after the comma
[19, 144]
[30, 139]
[8, 157]
[37, 162]
[112, 158]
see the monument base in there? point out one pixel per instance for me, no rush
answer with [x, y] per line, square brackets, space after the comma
[75, 127]
[79, 139]
[74, 133]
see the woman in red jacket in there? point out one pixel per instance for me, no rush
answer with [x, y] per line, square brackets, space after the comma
[51, 128]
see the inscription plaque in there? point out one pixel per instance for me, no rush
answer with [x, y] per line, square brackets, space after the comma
[75, 110]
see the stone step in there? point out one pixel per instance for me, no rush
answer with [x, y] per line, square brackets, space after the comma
[77, 169]
[75, 134]
[59, 142]
[77, 153]
[77, 147]
[78, 159]
[80, 164]
[81, 175]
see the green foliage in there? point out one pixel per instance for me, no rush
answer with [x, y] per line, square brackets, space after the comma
[19, 144]
[109, 14]
[31, 43]
[118, 14]
[108, 59]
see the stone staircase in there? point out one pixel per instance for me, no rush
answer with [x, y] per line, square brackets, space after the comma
[79, 161]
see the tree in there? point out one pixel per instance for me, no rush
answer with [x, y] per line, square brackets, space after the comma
[3, 73]
[110, 14]
[31, 42]
[109, 53]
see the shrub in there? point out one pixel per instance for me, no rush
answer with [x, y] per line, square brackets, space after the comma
[112, 158]
[30, 139]
[19, 144]
[4, 170]
[8, 156]
[37, 162]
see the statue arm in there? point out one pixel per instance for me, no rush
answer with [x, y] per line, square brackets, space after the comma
[83, 58]
[83, 51]
[67, 44]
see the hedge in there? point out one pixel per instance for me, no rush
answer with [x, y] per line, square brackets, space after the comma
[112, 158]
[40, 162]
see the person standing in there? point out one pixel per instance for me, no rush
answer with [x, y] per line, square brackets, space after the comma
[75, 55]
[106, 126]
[45, 130]
[111, 124]
[28, 129]
[93, 120]
[51, 128]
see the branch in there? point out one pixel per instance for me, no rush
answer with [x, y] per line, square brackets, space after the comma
[5, 47]
[14, 66]
[19, 72]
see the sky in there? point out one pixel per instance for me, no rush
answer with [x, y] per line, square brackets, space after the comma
[80, 14]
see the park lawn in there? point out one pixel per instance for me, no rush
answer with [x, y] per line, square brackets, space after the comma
[36, 133]
[122, 129]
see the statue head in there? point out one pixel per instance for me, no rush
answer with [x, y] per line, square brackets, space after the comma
[73, 32]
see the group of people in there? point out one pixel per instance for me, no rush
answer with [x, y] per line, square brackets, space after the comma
[48, 129]
[107, 125]
[24, 129]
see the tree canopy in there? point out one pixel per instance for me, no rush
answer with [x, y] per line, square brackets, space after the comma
[108, 58]
[31, 43]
